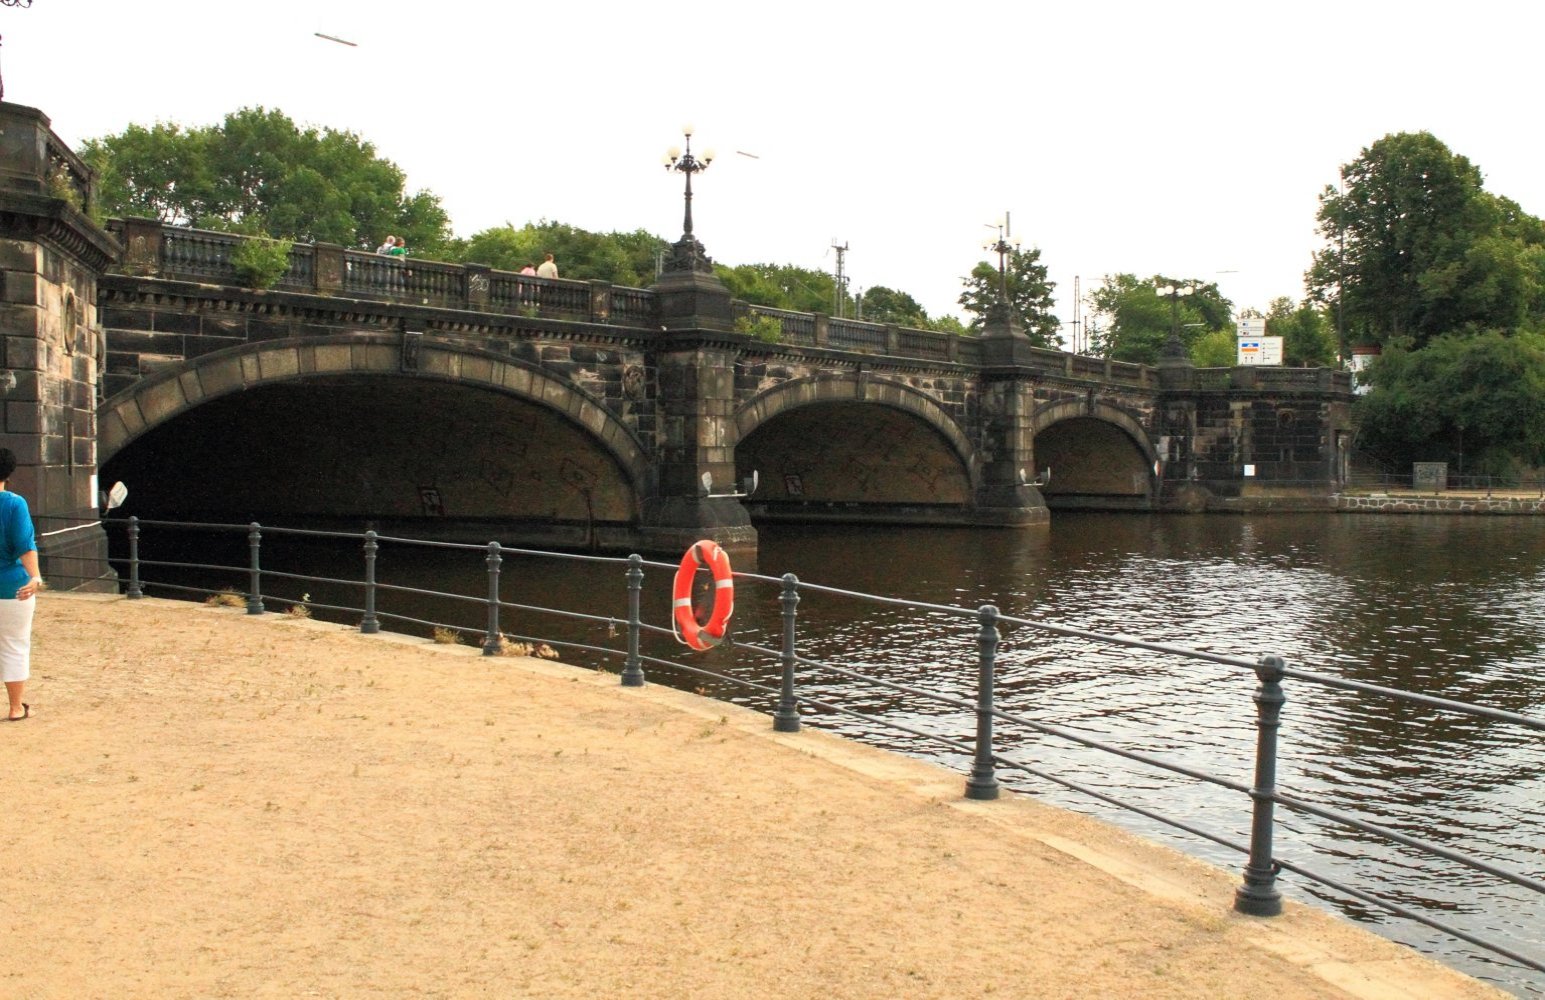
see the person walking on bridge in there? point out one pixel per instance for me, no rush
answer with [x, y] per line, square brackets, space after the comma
[547, 269]
[19, 582]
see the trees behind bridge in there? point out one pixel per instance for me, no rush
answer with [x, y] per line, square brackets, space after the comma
[1415, 248]
[1028, 292]
[257, 172]
[627, 259]
[1448, 280]
[1138, 320]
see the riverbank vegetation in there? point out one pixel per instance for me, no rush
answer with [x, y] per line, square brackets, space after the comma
[1446, 281]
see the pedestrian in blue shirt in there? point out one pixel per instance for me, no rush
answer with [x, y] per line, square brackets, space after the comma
[19, 583]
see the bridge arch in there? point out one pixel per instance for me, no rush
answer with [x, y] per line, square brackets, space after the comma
[374, 422]
[859, 446]
[796, 393]
[1099, 455]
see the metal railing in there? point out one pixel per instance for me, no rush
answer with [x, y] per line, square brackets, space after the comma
[1488, 485]
[791, 706]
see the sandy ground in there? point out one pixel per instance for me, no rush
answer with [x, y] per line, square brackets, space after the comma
[207, 804]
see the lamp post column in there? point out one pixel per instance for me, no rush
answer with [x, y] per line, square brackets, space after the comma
[695, 352]
[1006, 493]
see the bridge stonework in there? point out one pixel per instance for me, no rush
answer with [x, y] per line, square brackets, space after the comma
[418, 394]
[50, 256]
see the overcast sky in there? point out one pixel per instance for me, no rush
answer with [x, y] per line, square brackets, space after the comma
[1186, 138]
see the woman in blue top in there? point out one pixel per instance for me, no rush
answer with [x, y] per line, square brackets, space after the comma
[19, 581]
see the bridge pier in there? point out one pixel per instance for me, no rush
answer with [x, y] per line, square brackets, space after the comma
[51, 255]
[1005, 495]
[695, 360]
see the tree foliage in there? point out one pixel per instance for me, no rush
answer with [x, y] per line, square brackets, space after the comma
[1415, 248]
[1308, 341]
[1029, 295]
[1476, 402]
[258, 172]
[1215, 349]
[620, 258]
[886, 305]
[781, 286]
[1138, 320]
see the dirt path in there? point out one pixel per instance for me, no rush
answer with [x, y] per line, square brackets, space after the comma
[213, 805]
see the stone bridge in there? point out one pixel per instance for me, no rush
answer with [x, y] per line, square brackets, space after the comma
[423, 396]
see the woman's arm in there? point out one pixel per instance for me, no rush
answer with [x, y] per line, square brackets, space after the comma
[29, 562]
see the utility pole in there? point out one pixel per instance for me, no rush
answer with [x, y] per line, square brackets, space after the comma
[841, 279]
[1078, 313]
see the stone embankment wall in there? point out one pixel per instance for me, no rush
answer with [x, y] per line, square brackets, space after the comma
[1388, 504]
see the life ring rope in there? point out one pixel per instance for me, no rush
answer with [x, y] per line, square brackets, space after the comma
[684, 623]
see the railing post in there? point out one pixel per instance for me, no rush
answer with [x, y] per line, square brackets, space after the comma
[983, 782]
[786, 718]
[142, 246]
[820, 329]
[1258, 897]
[370, 624]
[255, 581]
[328, 268]
[600, 300]
[493, 642]
[135, 593]
[632, 667]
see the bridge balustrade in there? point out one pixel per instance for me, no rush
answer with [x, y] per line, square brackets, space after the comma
[848, 335]
[69, 172]
[425, 282]
[1213, 378]
[798, 327]
[512, 293]
[633, 306]
[203, 255]
[925, 344]
[200, 254]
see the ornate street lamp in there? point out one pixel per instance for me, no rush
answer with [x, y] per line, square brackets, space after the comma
[11, 3]
[688, 254]
[1174, 349]
[999, 312]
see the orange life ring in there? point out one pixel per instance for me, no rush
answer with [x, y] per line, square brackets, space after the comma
[699, 554]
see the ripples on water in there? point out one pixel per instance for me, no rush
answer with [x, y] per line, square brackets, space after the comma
[1446, 606]
[1451, 606]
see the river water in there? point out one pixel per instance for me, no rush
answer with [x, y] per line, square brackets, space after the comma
[1450, 606]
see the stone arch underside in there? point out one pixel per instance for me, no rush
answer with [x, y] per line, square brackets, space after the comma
[339, 430]
[1098, 456]
[841, 448]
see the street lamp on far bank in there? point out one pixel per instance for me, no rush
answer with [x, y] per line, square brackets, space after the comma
[1174, 351]
[688, 254]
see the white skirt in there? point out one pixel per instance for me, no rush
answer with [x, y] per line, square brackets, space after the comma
[16, 639]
